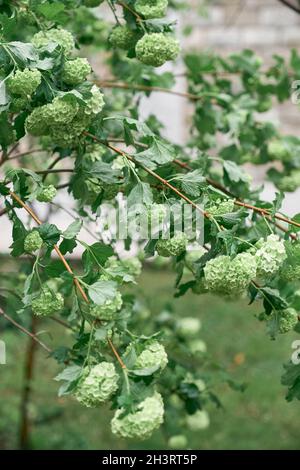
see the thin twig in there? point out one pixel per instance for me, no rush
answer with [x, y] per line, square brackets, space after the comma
[28, 333]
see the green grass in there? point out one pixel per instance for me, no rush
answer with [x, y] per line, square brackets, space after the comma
[259, 418]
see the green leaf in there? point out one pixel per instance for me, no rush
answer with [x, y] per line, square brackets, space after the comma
[101, 291]
[73, 229]
[95, 255]
[104, 172]
[146, 371]
[158, 153]
[69, 374]
[51, 10]
[49, 233]
[235, 173]
[291, 378]
[140, 194]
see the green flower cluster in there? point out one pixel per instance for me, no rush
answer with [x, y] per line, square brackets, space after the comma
[108, 310]
[290, 270]
[156, 48]
[221, 207]
[47, 302]
[24, 83]
[150, 9]
[98, 385]
[289, 183]
[133, 265]
[228, 277]
[140, 424]
[75, 71]
[47, 193]
[179, 441]
[64, 119]
[188, 327]
[60, 36]
[123, 37]
[279, 150]
[197, 346]
[285, 320]
[33, 242]
[172, 246]
[154, 354]
[198, 421]
[270, 255]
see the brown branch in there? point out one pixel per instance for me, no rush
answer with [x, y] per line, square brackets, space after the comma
[24, 432]
[289, 5]
[127, 86]
[150, 172]
[28, 152]
[28, 333]
[65, 263]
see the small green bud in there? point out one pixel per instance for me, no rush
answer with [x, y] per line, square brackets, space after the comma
[198, 421]
[178, 442]
[47, 194]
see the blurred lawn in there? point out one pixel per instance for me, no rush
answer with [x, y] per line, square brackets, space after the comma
[259, 418]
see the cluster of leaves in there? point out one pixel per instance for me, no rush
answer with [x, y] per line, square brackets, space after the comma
[47, 102]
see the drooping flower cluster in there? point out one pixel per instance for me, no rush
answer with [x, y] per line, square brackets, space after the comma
[151, 8]
[47, 302]
[289, 183]
[157, 48]
[33, 242]
[198, 421]
[108, 310]
[153, 355]
[188, 327]
[226, 276]
[98, 384]
[23, 83]
[47, 193]
[174, 246]
[285, 320]
[270, 255]
[141, 423]
[123, 37]
[221, 207]
[75, 71]
[279, 150]
[61, 37]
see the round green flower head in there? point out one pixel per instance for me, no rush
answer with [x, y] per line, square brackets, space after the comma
[50, 117]
[108, 310]
[149, 415]
[33, 242]
[47, 303]
[290, 270]
[122, 37]
[178, 442]
[47, 194]
[156, 48]
[197, 346]
[18, 104]
[133, 265]
[92, 3]
[24, 83]
[173, 246]
[289, 183]
[75, 71]
[198, 421]
[279, 150]
[154, 354]
[230, 277]
[151, 8]
[188, 327]
[94, 105]
[270, 256]
[221, 207]
[287, 319]
[98, 385]
[60, 36]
